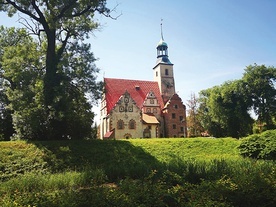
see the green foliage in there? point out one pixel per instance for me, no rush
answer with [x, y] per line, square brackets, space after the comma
[138, 172]
[50, 80]
[259, 146]
[259, 88]
[225, 109]
[23, 86]
[22, 95]
[18, 158]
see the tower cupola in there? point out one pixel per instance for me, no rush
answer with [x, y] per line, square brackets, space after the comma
[162, 50]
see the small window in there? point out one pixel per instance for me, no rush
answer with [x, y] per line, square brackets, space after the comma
[174, 126]
[151, 101]
[121, 108]
[166, 72]
[182, 129]
[156, 73]
[130, 109]
[120, 124]
[154, 110]
[148, 110]
[173, 115]
[175, 106]
[132, 124]
[181, 118]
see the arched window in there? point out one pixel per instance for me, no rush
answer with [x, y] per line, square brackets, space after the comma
[120, 124]
[132, 124]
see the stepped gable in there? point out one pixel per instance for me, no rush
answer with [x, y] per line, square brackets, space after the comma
[138, 90]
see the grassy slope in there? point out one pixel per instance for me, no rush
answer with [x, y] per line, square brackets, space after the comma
[190, 172]
[195, 148]
[18, 157]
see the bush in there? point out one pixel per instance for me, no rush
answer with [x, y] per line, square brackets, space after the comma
[259, 146]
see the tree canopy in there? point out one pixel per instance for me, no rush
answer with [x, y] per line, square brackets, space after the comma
[260, 87]
[226, 110]
[54, 73]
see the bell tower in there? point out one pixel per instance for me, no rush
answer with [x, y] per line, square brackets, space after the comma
[163, 70]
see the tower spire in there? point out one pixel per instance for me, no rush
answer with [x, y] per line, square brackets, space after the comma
[161, 25]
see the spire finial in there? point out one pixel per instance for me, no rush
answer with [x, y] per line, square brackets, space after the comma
[161, 29]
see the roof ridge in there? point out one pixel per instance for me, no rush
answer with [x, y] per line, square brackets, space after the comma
[124, 79]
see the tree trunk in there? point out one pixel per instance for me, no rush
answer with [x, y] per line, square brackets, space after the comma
[50, 80]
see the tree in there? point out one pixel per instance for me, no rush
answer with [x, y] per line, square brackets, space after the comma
[9, 37]
[61, 27]
[22, 72]
[226, 111]
[260, 82]
[194, 125]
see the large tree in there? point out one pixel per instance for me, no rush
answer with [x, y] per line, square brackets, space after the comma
[61, 27]
[225, 111]
[260, 89]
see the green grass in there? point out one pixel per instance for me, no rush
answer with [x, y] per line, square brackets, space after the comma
[136, 172]
[195, 148]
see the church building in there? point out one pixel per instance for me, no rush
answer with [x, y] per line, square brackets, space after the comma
[143, 109]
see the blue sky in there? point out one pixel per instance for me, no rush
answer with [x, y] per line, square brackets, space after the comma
[210, 41]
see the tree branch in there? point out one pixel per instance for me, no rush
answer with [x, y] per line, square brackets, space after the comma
[24, 11]
[64, 43]
[41, 18]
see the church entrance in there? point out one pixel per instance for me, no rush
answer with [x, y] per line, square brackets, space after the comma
[147, 133]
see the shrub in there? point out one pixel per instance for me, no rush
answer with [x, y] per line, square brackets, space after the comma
[259, 146]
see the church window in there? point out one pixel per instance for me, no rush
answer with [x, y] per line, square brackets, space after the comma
[120, 124]
[151, 101]
[166, 72]
[174, 126]
[121, 108]
[173, 115]
[132, 124]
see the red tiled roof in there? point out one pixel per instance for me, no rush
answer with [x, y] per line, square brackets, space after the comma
[109, 134]
[137, 89]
